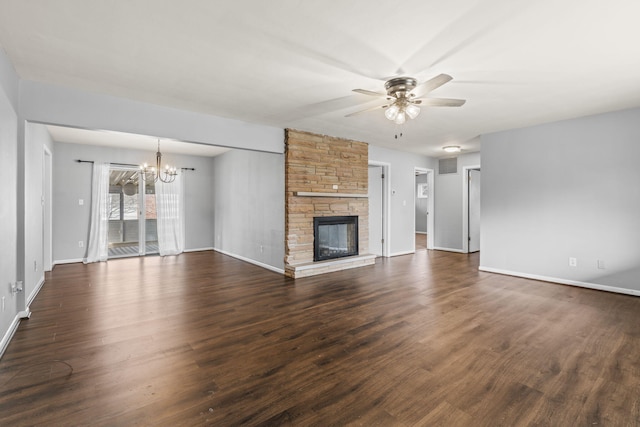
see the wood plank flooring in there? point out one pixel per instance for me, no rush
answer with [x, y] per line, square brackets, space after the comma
[417, 340]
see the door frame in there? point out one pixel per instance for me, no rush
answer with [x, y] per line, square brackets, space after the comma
[386, 213]
[465, 206]
[430, 204]
[47, 214]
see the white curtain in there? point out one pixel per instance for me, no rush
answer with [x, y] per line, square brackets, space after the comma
[98, 246]
[170, 216]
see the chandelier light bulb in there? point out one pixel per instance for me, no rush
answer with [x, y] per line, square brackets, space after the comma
[401, 118]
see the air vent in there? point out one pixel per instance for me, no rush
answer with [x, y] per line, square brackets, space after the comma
[446, 166]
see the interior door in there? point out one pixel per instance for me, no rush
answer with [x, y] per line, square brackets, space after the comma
[474, 210]
[375, 210]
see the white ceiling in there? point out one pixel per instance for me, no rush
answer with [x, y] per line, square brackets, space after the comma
[293, 63]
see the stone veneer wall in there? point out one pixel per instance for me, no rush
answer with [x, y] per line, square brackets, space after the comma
[315, 163]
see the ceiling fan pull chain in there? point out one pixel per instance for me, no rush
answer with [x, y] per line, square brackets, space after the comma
[398, 133]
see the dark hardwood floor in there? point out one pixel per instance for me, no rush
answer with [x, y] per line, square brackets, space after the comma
[424, 339]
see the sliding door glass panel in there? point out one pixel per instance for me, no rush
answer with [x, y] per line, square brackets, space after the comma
[123, 213]
[150, 218]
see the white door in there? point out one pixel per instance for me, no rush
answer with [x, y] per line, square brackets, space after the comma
[474, 210]
[375, 210]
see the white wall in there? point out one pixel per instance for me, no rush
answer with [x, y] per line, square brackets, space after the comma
[560, 190]
[248, 199]
[9, 205]
[402, 182]
[45, 103]
[448, 205]
[36, 138]
[72, 181]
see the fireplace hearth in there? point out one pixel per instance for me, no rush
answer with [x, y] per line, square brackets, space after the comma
[335, 237]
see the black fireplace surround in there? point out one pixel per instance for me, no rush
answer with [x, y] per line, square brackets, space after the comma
[334, 237]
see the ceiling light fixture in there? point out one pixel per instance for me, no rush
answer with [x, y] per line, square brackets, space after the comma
[403, 106]
[154, 173]
[452, 148]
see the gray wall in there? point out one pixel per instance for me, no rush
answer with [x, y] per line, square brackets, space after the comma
[72, 181]
[9, 205]
[402, 181]
[36, 138]
[422, 206]
[248, 200]
[448, 205]
[560, 190]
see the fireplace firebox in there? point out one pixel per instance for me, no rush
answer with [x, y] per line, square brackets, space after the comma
[335, 237]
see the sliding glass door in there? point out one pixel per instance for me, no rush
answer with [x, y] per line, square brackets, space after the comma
[132, 214]
[150, 229]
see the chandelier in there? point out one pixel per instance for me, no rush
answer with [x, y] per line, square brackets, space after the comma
[167, 175]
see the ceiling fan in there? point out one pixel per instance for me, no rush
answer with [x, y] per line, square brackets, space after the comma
[403, 103]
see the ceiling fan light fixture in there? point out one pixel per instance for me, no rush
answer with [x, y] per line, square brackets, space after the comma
[452, 148]
[400, 118]
[412, 111]
[392, 112]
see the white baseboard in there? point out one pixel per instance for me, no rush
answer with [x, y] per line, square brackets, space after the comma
[595, 286]
[199, 249]
[402, 253]
[35, 291]
[9, 334]
[251, 261]
[460, 251]
[66, 261]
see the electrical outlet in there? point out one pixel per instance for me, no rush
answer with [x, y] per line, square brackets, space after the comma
[261, 248]
[573, 262]
[35, 265]
[80, 202]
[3, 304]
[601, 264]
[335, 186]
[80, 244]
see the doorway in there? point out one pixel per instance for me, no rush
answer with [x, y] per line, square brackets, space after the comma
[376, 183]
[472, 208]
[423, 208]
[378, 197]
[47, 179]
[132, 214]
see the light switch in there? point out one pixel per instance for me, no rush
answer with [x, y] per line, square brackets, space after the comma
[80, 202]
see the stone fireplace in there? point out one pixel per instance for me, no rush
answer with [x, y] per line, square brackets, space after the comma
[324, 177]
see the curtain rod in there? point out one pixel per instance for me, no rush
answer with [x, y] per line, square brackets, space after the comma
[127, 164]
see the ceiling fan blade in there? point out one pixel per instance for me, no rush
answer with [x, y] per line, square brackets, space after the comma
[366, 110]
[369, 92]
[432, 84]
[442, 102]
